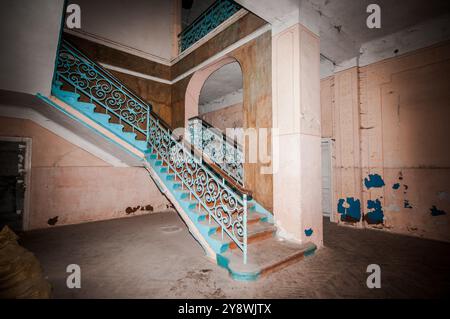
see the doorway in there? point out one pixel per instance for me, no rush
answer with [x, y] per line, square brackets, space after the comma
[327, 177]
[15, 168]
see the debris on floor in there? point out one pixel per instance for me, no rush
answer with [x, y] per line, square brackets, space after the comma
[21, 275]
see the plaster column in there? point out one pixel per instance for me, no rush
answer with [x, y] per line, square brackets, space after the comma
[296, 115]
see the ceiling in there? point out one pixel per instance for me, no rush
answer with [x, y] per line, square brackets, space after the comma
[343, 22]
[343, 30]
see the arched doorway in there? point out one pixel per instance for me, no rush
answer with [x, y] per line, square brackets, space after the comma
[196, 85]
[214, 106]
[220, 101]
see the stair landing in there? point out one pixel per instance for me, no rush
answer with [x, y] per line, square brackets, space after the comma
[264, 257]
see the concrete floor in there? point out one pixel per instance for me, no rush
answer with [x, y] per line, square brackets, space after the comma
[154, 256]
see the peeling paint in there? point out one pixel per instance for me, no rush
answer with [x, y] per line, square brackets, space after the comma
[308, 232]
[437, 212]
[350, 210]
[407, 204]
[374, 181]
[131, 210]
[376, 215]
[53, 221]
[396, 186]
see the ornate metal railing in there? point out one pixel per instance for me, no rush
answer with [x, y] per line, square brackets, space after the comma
[218, 148]
[215, 15]
[222, 204]
[101, 87]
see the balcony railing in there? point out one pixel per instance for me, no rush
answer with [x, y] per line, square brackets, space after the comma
[215, 15]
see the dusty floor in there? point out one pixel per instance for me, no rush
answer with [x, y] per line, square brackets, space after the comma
[154, 256]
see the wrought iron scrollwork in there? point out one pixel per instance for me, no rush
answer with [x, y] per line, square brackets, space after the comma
[221, 203]
[101, 87]
[219, 12]
[225, 154]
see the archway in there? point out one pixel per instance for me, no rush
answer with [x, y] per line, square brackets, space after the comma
[196, 84]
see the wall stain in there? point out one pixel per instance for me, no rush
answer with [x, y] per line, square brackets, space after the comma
[131, 210]
[376, 215]
[437, 212]
[407, 204]
[350, 210]
[374, 181]
[53, 221]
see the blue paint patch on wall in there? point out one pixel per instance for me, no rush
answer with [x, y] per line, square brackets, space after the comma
[436, 212]
[309, 232]
[407, 204]
[376, 215]
[352, 211]
[374, 181]
[396, 186]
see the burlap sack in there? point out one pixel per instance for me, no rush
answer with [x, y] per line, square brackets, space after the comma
[21, 274]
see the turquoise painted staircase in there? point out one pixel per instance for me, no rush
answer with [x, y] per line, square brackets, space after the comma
[103, 119]
[232, 227]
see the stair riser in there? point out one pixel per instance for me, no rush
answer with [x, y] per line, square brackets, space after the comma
[255, 238]
[281, 265]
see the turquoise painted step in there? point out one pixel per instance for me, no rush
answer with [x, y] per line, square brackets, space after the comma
[85, 107]
[266, 255]
[189, 207]
[88, 109]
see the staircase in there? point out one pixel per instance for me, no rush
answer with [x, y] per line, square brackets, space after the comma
[233, 229]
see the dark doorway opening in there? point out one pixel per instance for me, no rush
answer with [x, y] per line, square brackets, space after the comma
[12, 184]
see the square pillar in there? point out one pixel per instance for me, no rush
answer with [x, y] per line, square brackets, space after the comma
[297, 180]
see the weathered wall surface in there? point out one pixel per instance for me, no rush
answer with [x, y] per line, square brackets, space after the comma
[147, 28]
[24, 55]
[75, 186]
[390, 125]
[227, 117]
[238, 30]
[255, 59]
[156, 93]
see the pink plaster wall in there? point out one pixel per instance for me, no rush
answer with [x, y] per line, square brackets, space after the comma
[391, 119]
[76, 186]
[228, 117]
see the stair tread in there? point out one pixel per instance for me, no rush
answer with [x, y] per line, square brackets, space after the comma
[266, 255]
[260, 227]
